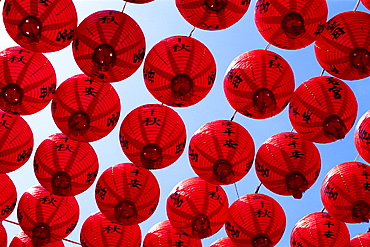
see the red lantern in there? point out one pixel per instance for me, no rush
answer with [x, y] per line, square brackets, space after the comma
[197, 208]
[98, 231]
[109, 46]
[345, 192]
[362, 136]
[287, 164]
[223, 242]
[259, 84]
[127, 194]
[342, 49]
[16, 142]
[360, 240]
[319, 229]
[84, 109]
[153, 136]
[163, 234]
[255, 220]
[8, 196]
[290, 24]
[179, 71]
[366, 3]
[323, 109]
[221, 152]
[22, 240]
[40, 26]
[3, 236]
[27, 81]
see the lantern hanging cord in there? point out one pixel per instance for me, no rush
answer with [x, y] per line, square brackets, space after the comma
[322, 72]
[356, 6]
[267, 46]
[236, 190]
[191, 32]
[233, 116]
[322, 210]
[356, 157]
[124, 6]
[258, 188]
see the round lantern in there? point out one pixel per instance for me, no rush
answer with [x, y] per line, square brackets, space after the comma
[40, 26]
[64, 166]
[255, 220]
[153, 136]
[223, 242]
[323, 109]
[259, 84]
[16, 142]
[163, 234]
[22, 240]
[290, 24]
[342, 49]
[8, 196]
[85, 109]
[127, 194]
[366, 3]
[27, 81]
[319, 229]
[287, 164]
[3, 236]
[221, 152]
[45, 217]
[345, 192]
[362, 136]
[179, 71]
[109, 46]
[360, 240]
[98, 231]
[197, 208]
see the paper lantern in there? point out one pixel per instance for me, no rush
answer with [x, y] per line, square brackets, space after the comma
[109, 46]
[360, 240]
[40, 26]
[27, 81]
[98, 231]
[287, 164]
[64, 166]
[3, 236]
[127, 194]
[342, 49]
[153, 136]
[319, 229]
[85, 109]
[221, 152]
[197, 207]
[366, 3]
[179, 71]
[16, 142]
[22, 240]
[255, 220]
[290, 24]
[223, 242]
[8, 197]
[362, 136]
[323, 109]
[259, 84]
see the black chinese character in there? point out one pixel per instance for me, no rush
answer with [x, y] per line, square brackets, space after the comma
[230, 144]
[90, 91]
[135, 183]
[65, 35]
[112, 229]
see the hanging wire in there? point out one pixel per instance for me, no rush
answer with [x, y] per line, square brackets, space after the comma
[124, 6]
[322, 72]
[73, 242]
[267, 46]
[191, 32]
[236, 190]
[233, 116]
[357, 157]
[356, 6]
[322, 210]
[258, 188]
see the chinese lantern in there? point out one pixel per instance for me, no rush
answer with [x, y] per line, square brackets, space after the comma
[366, 3]
[345, 192]
[8, 196]
[360, 240]
[127, 194]
[84, 109]
[255, 220]
[98, 231]
[153, 136]
[109, 46]
[259, 84]
[179, 71]
[288, 164]
[64, 166]
[163, 234]
[290, 24]
[342, 49]
[197, 207]
[223, 242]
[22, 240]
[40, 26]
[3, 236]
[27, 81]
[319, 229]
[362, 136]
[16, 142]
[221, 152]
[323, 109]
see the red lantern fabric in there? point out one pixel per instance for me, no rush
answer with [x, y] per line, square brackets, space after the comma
[360, 240]
[221, 152]
[179, 71]
[40, 26]
[27, 81]
[98, 231]
[85, 109]
[153, 136]
[255, 220]
[109, 46]
[16, 142]
[127, 194]
[362, 136]
[323, 109]
[366, 3]
[223, 242]
[287, 164]
[290, 24]
[3, 236]
[342, 49]
[259, 84]
[64, 166]
[8, 197]
[22, 240]
[197, 207]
